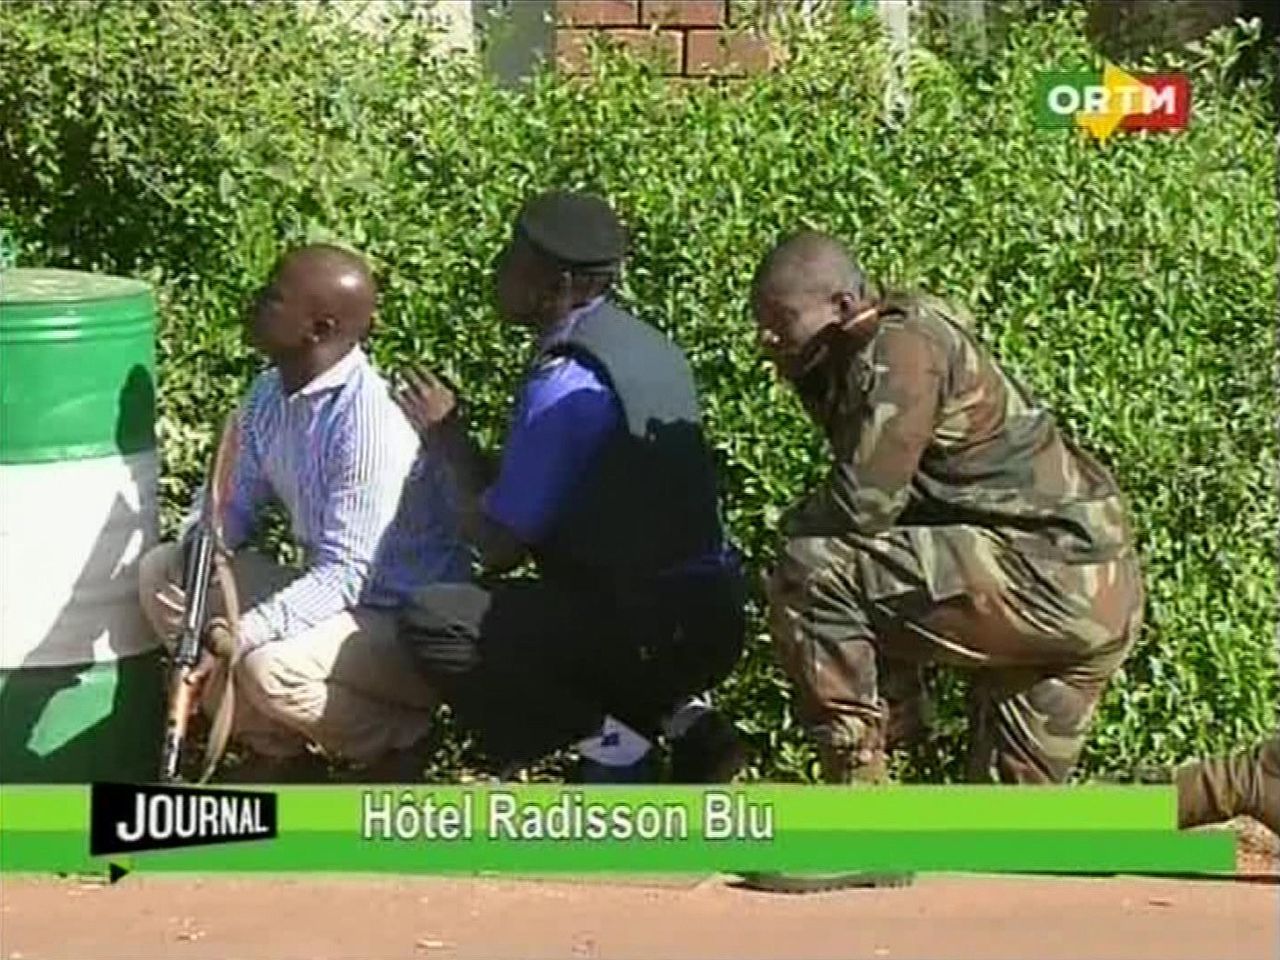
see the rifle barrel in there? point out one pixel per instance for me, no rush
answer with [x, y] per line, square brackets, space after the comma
[195, 587]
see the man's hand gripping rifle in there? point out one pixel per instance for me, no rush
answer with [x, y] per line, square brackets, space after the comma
[207, 646]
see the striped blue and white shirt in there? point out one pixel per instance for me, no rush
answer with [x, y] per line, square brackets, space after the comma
[372, 510]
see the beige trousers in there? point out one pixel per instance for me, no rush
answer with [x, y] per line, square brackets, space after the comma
[344, 684]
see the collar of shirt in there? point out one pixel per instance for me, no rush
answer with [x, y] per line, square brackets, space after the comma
[333, 378]
[565, 327]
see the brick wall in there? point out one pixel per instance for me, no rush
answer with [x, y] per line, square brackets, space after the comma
[693, 38]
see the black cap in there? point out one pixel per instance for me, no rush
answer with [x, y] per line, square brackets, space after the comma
[580, 230]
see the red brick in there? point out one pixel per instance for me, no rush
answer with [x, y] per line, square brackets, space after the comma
[715, 51]
[684, 13]
[572, 46]
[598, 13]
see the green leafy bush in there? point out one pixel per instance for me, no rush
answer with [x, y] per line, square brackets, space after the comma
[1131, 284]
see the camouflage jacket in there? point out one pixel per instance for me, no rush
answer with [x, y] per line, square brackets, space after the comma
[926, 429]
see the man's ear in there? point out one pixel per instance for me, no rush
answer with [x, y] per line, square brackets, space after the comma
[558, 293]
[846, 305]
[851, 309]
[323, 328]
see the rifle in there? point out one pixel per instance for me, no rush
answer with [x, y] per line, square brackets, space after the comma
[206, 563]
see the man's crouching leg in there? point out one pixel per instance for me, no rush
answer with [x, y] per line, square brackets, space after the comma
[821, 632]
[1029, 724]
[823, 638]
[1026, 728]
[347, 686]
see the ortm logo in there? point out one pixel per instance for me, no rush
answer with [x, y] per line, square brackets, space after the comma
[1113, 100]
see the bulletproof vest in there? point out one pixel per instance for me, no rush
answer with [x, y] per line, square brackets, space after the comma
[648, 501]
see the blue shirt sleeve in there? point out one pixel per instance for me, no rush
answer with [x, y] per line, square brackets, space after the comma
[564, 415]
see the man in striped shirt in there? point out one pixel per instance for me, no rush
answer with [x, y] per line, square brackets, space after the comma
[320, 433]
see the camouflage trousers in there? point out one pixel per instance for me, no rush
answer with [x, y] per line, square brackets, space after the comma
[855, 619]
[1244, 783]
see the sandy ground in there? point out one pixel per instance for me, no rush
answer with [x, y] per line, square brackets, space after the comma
[990, 918]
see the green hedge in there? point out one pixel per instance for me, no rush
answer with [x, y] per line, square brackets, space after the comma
[1131, 284]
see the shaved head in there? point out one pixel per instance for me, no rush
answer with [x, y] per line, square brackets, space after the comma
[335, 282]
[318, 304]
[808, 263]
[805, 288]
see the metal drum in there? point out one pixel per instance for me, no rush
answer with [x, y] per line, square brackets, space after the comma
[81, 677]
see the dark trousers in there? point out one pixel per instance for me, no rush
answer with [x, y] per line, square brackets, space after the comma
[530, 666]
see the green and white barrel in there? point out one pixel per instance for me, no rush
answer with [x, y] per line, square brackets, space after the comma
[81, 677]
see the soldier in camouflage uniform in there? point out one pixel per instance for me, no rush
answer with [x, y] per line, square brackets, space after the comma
[958, 526]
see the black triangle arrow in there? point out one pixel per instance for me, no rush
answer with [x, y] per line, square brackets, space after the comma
[115, 871]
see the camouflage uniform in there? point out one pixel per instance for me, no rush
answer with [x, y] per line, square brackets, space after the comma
[1245, 783]
[958, 526]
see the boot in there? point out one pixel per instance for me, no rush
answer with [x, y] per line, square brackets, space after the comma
[777, 882]
[840, 765]
[848, 766]
[1246, 783]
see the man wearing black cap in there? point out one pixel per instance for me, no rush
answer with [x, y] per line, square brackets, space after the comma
[607, 483]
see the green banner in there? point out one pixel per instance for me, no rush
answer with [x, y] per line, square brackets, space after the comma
[791, 807]
[539, 829]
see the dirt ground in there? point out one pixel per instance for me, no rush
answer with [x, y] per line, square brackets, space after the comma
[953, 917]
